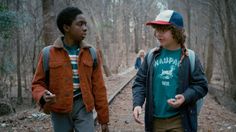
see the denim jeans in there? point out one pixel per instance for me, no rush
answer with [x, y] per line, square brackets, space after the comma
[79, 120]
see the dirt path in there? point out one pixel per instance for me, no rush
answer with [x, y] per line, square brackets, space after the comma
[121, 118]
[215, 118]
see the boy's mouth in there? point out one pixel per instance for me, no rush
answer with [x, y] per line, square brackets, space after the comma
[84, 35]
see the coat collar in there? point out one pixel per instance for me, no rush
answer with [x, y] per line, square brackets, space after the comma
[58, 43]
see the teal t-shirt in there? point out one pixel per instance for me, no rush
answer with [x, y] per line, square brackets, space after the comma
[165, 82]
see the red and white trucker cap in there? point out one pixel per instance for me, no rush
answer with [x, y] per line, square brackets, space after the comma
[168, 17]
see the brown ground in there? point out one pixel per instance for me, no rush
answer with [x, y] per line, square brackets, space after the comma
[213, 117]
[216, 118]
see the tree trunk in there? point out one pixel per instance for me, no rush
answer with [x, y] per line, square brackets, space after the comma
[231, 46]
[223, 11]
[105, 67]
[98, 42]
[18, 56]
[188, 10]
[48, 22]
[136, 43]
[126, 32]
[209, 62]
[34, 48]
[225, 29]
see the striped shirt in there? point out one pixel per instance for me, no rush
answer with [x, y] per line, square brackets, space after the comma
[73, 53]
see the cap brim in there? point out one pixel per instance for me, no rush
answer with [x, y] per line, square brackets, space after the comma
[158, 23]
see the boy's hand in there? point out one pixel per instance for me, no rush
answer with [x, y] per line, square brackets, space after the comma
[137, 111]
[177, 102]
[104, 128]
[49, 97]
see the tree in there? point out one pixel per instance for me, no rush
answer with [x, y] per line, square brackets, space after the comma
[223, 9]
[98, 40]
[18, 56]
[188, 11]
[209, 62]
[48, 21]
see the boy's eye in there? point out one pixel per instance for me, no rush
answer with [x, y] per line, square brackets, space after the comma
[161, 30]
[81, 23]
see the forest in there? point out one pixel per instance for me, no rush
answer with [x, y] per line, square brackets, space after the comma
[117, 28]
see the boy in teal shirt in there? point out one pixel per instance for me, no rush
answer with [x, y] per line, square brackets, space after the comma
[165, 80]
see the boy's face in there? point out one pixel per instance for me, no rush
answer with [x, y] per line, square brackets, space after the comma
[77, 30]
[165, 37]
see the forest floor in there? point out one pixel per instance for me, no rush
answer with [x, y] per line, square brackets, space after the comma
[213, 117]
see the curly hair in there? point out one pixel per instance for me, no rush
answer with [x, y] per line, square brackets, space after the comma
[178, 35]
[67, 16]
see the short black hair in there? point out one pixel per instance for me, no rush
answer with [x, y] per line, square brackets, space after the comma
[67, 16]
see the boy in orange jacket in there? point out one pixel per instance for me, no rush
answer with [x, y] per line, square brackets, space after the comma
[75, 87]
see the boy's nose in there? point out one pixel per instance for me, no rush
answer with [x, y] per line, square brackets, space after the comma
[85, 28]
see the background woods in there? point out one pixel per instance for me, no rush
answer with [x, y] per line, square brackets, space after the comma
[117, 28]
[211, 32]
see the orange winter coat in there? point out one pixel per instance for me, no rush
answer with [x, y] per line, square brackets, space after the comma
[61, 82]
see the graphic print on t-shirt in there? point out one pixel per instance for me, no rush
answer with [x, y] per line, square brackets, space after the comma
[168, 66]
[167, 74]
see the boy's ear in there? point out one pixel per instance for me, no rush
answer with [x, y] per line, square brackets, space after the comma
[66, 28]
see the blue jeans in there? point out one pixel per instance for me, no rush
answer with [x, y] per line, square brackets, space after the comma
[79, 120]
